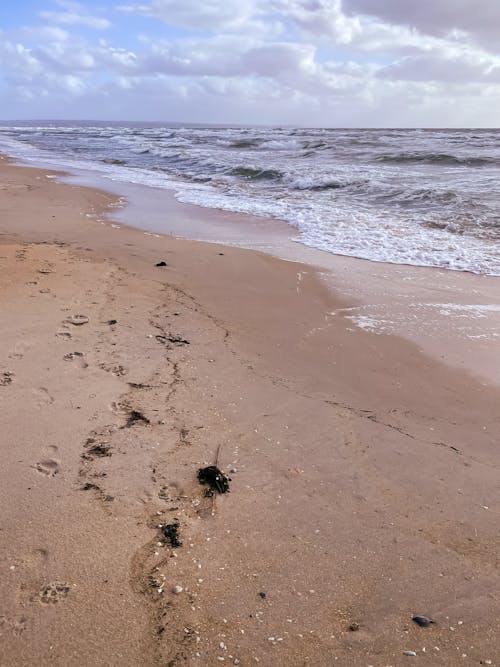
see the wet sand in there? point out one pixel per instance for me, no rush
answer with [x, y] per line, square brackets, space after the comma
[364, 472]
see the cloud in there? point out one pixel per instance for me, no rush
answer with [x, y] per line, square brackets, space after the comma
[320, 18]
[74, 14]
[330, 62]
[211, 15]
[442, 67]
[479, 18]
[227, 56]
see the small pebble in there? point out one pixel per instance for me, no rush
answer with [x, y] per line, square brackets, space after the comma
[177, 589]
[410, 654]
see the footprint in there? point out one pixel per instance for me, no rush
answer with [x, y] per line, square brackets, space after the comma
[6, 378]
[20, 349]
[78, 356]
[42, 397]
[15, 625]
[115, 369]
[77, 320]
[41, 553]
[54, 592]
[49, 467]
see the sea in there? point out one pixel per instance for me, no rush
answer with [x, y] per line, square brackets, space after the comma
[425, 197]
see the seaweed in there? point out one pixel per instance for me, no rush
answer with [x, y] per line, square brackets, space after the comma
[214, 479]
[171, 534]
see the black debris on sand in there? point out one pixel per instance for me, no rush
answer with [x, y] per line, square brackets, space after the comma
[171, 534]
[422, 621]
[97, 450]
[88, 486]
[171, 338]
[214, 479]
[134, 416]
[162, 263]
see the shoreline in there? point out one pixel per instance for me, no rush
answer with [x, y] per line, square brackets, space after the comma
[453, 316]
[353, 453]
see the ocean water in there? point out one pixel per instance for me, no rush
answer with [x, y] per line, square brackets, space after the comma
[422, 197]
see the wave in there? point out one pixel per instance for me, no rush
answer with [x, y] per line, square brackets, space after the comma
[437, 158]
[250, 173]
[246, 143]
[452, 227]
[314, 145]
[114, 161]
[315, 186]
[421, 196]
[411, 197]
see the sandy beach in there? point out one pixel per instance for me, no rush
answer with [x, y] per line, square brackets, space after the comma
[364, 471]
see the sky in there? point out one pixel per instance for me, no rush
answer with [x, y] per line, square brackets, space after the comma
[331, 63]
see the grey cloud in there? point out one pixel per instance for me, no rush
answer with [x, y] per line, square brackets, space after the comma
[276, 60]
[434, 17]
[228, 57]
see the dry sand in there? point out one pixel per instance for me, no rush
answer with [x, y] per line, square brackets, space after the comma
[364, 474]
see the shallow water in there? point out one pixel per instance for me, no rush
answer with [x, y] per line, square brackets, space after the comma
[422, 197]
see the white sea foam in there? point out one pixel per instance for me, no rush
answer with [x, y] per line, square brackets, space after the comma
[408, 197]
[467, 311]
[370, 324]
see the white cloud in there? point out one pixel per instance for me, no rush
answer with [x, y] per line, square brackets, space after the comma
[321, 18]
[444, 67]
[74, 14]
[364, 62]
[217, 15]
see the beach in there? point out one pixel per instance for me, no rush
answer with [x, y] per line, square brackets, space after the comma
[364, 469]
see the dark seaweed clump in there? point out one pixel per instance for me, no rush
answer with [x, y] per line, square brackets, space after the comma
[171, 534]
[214, 479]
